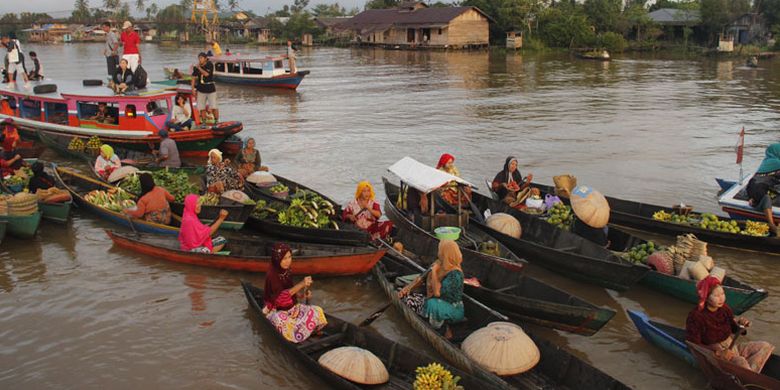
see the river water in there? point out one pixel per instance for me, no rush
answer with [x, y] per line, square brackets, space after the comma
[77, 313]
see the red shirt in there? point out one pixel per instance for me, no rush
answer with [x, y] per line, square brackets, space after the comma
[11, 137]
[131, 41]
[710, 327]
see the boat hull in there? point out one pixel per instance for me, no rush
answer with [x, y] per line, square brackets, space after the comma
[23, 227]
[56, 212]
[724, 375]
[343, 236]
[668, 338]
[3, 228]
[740, 299]
[287, 81]
[333, 265]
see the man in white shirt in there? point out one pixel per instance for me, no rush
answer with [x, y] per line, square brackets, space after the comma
[15, 59]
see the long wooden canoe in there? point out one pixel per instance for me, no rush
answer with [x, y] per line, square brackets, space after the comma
[399, 360]
[347, 234]
[557, 369]
[725, 375]
[669, 338]
[55, 212]
[254, 254]
[264, 193]
[79, 185]
[740, 296]
[504, 288]
[24, 226]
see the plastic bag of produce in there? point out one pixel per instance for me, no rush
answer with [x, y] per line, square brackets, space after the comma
[661, 262]
[505, 224]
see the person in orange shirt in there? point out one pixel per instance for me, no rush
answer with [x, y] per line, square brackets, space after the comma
[10, 138]
[153, 203]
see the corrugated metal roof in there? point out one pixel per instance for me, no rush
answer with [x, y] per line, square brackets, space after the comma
[673, 16]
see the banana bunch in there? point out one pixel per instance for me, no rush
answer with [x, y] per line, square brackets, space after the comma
[561, 216]
[76, 144]
[755, 228]
[662, 215]
[309, 211]
[435, 377]
[210, 199]
[114, 199]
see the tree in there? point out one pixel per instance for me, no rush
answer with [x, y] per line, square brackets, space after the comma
[81, 12]
[8, 23]
[112, 4]
[140, 5]
[381, 4]
[565, 25]
[604, 14]
[771, 11]
[328, 10]
[300, 5]
[152, 11]
[716, 14]
[171, 18]
[232, 4]
[282, 13]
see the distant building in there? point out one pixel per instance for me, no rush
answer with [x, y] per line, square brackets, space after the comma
[329, 25]
[748, 28]
[674, 21]
[415, 25]
[50, 32]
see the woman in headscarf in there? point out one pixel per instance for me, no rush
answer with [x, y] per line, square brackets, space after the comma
[220, 176]
[712, 323]
[10, 139]
[509, 184]
[194, 236]
[443, 301]
[40, 179]
[365, 212]
[152, 203]
[295, 321]
[106, 162]
[450, 191]
[761, 187]
[248, 159]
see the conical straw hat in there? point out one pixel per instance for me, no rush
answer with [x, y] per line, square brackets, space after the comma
[502, 348]
[121, 173]
[590, 206]
[355, 364]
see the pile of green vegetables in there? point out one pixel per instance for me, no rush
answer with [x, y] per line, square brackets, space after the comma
[638, 254]
[177, 183]
[306, 209]
[561, 216]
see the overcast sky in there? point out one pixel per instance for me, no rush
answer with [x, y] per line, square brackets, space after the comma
[62, 8]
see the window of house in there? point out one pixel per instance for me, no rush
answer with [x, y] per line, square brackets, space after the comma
[100, 112]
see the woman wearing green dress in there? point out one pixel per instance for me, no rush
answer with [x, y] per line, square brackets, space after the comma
[443, 302]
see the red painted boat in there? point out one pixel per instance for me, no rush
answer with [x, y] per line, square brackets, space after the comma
[254, 255]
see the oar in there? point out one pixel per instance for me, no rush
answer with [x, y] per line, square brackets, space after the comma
[130, 221]
[740, 332]
[474, 208]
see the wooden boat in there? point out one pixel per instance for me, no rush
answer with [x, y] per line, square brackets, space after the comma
[254, 254]
[598, 55]
[347, 234]
[734, 201]
[506, 289]
[561, 251]
[557, 369]
[740, 296]
[257, 192]
[639, 216]
[400, 360]
[29, 149]
[669, 338]
[238, 213]
[725, 375]
[55, 212]
[137, 116]
[79, 185]
[24, 226]
[267, 71]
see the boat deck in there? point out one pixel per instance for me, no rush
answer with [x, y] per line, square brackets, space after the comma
[75, 88]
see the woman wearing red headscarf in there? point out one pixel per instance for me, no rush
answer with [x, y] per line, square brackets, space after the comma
[450, 191]
[712, 323]
[295, 321]
[365, 212]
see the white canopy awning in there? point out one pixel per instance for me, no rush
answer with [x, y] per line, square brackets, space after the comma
[423, 177]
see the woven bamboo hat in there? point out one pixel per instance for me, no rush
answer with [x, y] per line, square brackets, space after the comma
[590, 206]
[355, 364]
[502, 348]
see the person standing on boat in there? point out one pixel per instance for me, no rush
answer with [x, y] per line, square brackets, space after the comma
[168, 155]
[204, 89]
[213, 47]
[509, 184]
[130, 41]
[712, 323]
[15, 59]
[111, 50]
[761, 187]
[249, 160]
[291, 57]
[182, 119]
[106, 162]
[364, 212]
[293, 320]
[194, 236]
[153, 202]
[443, 302]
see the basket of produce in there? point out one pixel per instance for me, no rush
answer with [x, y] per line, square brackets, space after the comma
[280, 191]
[93, 145]
[77, 145]
[682, 209]
[22, 203]
[561, 216]
[447, 232]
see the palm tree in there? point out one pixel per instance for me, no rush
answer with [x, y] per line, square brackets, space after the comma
[139, 5]
[233, 4]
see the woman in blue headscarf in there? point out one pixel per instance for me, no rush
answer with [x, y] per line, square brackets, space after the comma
[760, 188]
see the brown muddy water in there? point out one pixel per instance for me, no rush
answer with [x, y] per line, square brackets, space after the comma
[77, 313]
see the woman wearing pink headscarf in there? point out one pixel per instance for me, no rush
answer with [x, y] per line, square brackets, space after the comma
[194, 236]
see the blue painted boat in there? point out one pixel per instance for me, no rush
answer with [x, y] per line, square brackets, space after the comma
[666, 337]
[79, 185]
[269, 71]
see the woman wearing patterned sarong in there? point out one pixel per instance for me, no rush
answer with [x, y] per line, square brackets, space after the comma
[365, 212]
[450, 192]
[295, 321]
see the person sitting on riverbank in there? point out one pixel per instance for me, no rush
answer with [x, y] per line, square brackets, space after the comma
[152, 202]
[712, 323]
[509, 184]
[181, 119]
[106, 162]
[194, 236]
[220, 176]
[451, 192]
[249, 160]
[37, 72]
[364, 212]
[122, 81]
[443, 301]
[761, 187]
[293, 320]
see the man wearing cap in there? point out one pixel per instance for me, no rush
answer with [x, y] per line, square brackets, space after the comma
[111, 50]
[130, 40]
[168, 155]
[203, 87]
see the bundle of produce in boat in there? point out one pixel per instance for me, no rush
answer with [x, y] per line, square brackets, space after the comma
[662, 262]
[264, 210]
[711, 222]
[434, 377]
[561, 216]
[755, 228]
[52, 195]
[638, 254]
[308, 211]
[177, 183]
[355, 364]
[208, 199]
[115, 199]
[22, 203]
[93, 145]
[76, 144]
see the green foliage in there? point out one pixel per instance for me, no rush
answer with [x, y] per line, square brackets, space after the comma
[687, 5]
[328, 10]
[716, 14]
[533, 43]
[565, 25]
[604, 14]
[298, 24]
[613, 42]
[381, 4]
[771, 11]
[169, 16]
[81, 13]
